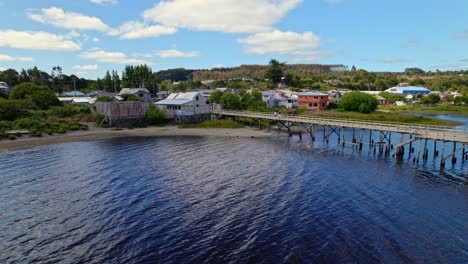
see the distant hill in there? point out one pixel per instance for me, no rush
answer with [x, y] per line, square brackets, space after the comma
[258, 71]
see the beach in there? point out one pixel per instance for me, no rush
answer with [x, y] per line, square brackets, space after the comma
[96, 133]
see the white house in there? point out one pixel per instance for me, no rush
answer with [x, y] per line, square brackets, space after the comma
[4, 87]
[77, 100]
[279, 98]
[142, 93]
[185, 104]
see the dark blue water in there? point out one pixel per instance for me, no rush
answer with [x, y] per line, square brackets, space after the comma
[227, 200]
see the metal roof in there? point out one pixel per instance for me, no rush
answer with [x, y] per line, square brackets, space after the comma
[174, 102]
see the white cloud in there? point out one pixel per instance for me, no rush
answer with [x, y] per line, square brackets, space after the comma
[100, 55]
[4, 57]
[36, 41]
[95, 39]
[232, 16]
[172, 53]
[104, 2]
[138, 30]
[281, 43]
[461, 35]
[58, 17]
[91, 67]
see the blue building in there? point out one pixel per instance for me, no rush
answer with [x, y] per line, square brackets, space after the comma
[405, 90]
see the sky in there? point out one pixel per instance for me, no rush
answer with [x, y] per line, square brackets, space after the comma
[89, 37]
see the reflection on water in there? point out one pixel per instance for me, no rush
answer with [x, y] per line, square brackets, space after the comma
[227, 200]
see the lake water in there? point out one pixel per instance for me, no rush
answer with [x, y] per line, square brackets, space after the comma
[227, 200]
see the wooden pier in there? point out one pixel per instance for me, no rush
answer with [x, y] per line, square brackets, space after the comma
[408, 134]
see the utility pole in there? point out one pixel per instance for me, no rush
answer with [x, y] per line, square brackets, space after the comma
[74, 85]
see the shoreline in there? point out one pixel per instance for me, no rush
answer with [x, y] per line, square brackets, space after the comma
[95, 134]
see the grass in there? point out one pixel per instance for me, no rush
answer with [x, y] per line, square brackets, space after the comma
[383, 117]
[462, 109]
[214, 124]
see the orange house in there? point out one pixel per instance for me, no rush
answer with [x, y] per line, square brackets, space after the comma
[313, 100]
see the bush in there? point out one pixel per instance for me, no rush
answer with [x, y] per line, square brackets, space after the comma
[392, 98]
[430, 99]
[130, 98]
[13, 109]
[44, 99]
[155, 115]
[104, 99]
[69, 110]
[33, 125]
[41, 96]
[98, 117]
[359, 102]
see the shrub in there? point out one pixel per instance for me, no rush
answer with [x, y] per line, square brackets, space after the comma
[155, 115]
[359, 102]
[13, 109]
[430, 99]
[6, 125]
[69, 110]
[25, 90]
[98, 117]
[104, 99]
[41, 96]
[130, 98]
[33, 125]
[44, 99]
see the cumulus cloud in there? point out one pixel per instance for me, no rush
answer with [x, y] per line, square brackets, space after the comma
[36, 41]
[281, 43]
[4, 57]
[231, 16]
[172, 53]
[101, 55]
[91, 67]
[104, 2]
[138, 30]
[59, 18]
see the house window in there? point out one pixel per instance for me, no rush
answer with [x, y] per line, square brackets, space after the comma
[315, 105]
[323, 104]
[307, 97]
[321, 97]
[141, 94]
[197, 105]
[310, 104]
[207, 102]
[315, 97]
[197, 98]
[178, 107]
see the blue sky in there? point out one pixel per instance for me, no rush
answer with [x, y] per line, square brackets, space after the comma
[88, 37]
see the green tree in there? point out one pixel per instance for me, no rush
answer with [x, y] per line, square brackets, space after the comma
[359, 102]
[230, 101]
[275, 71]
[107, 82]
[430, 99]
[41, 96]
[215, 97]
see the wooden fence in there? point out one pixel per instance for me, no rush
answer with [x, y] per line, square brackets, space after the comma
[116, 112]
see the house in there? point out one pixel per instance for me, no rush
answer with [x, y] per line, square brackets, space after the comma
[4, 87]
[313, 100]
[161, 95]
[99, 93]
[73, 94]
[142, 93]
[187, 104]
[335, 96]
[77, 100]
[405, 90]
[279, 98]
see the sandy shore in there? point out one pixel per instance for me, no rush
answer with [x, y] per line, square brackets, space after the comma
[95, 133]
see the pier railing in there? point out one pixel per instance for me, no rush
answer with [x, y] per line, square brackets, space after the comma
[445, 133]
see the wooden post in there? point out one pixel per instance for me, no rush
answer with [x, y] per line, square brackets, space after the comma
[425, 150]
[360, 139]
[454, 156]
[435, 148]
[442, 161]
